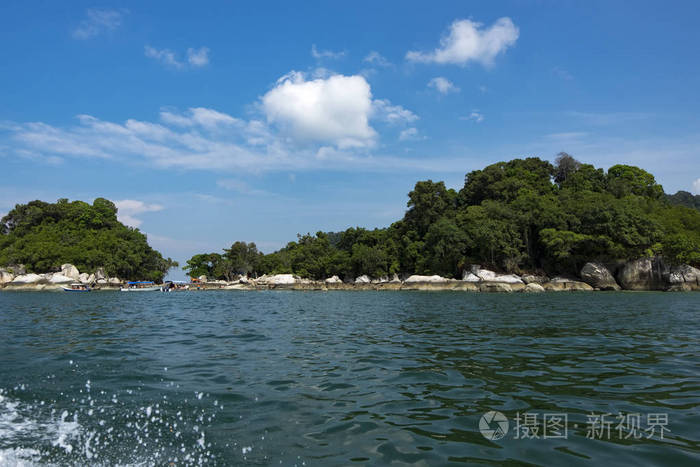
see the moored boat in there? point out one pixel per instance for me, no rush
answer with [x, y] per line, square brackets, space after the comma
[77, 287]
[140, 286]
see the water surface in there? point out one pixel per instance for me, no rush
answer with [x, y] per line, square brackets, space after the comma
[337, 378]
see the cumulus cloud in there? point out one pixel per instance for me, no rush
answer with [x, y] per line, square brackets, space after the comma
[319, 54]
[696, 187]
[299, 123]
[469, 41]
[335, 110]
[98, 21]
[442, 85]
[127, 209]
[198, 57]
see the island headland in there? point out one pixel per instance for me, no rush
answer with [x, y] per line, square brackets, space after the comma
[522, 225]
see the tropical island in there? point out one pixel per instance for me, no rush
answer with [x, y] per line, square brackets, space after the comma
[525, 224]
[49, 243]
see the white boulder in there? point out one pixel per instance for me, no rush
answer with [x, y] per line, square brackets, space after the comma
[6, 276]
[100, 274]
[29, 279]
[333, 280]
[490, 276]
[533, 287]
[278, 279]
[470, 277]
[114, 281]
[363, 279]
[432, 279]
[60, 279]
[486, 275]
[71, 271]
[243, 279]
[395, 278]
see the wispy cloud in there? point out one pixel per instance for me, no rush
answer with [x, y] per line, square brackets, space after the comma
[696, 187]
[376, 59]
[196, 58]
[608, 118]
[97, 21]
[128, 209]
[409, 134]
[442, 85]
[165, 56]
[468, 41]
[240, 186]
[474, 116]
[320, 54]
[562, 73]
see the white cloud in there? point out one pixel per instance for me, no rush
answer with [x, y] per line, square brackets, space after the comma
[164, 56]
[696, 187]
[469, 41]
[198, 57]
[442, 85]
[562, 73]
[128, 208]
[319, 54]
[409, 134]
[97, 21]
[199, 116]
[385, 111]
[375, 58]
[299, 124]
[475, 116]
[239, 186]
[335, 110]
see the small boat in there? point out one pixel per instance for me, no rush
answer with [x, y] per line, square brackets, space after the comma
[77, 287]
[140, 286]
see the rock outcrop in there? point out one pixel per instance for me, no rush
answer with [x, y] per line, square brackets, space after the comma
[364, 279]
[6, 276]
[71, 271]
[533, 287]
[469, 276]
[427, 279]
[28, 279]
[333, 280]
[277, 279]
[560, 284]
[534, 279]
[60, 279]
[645, 274]
[598, 276]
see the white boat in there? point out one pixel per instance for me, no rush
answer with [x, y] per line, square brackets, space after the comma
[140, 286]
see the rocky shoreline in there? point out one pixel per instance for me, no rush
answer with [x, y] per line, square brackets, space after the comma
[641, 274]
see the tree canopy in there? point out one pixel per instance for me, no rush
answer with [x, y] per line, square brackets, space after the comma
[521, 215]
[42, 236]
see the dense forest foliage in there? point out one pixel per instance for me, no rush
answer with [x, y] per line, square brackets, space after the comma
[42, 236]
[521, 215]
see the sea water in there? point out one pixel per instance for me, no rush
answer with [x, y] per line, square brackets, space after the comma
[343, 377]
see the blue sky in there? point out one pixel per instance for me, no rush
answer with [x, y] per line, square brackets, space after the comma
[222, 121]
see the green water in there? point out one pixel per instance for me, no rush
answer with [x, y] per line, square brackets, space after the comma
[339, 378]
